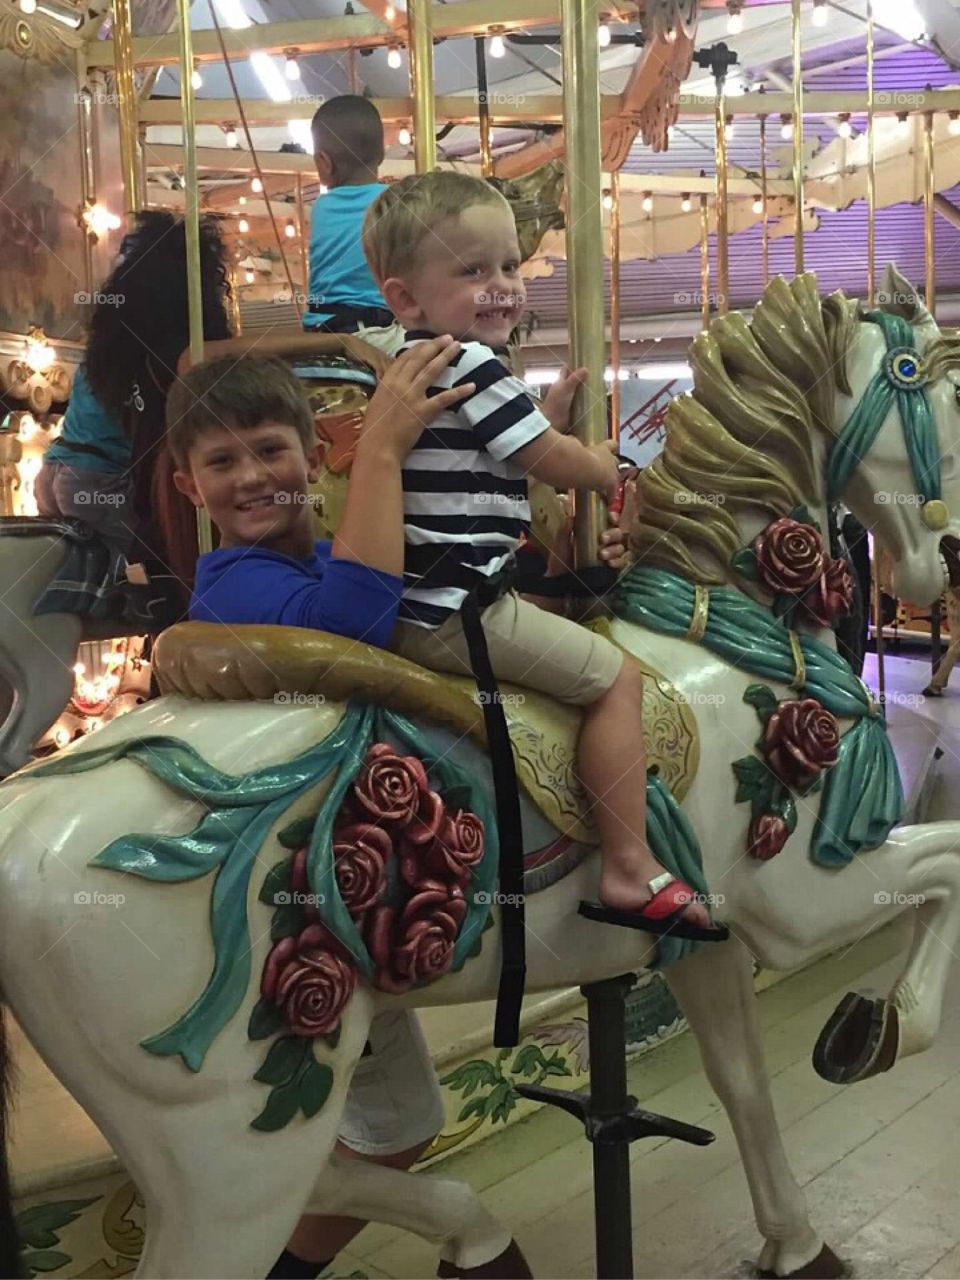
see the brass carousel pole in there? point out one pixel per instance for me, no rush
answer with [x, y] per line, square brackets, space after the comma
[765, 232]
[421, 76]
[723, 265]
[581, 124]
[704, 262]
[871, 298]
[303, 227]
[127, 104]
[87, 175]
[483, 106]
[797, 138]
[931, 292]
[191, 219]
[615, 303]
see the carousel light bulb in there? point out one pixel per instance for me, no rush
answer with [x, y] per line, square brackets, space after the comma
[844, 127]
[685, 202]
[953, 128]
[242, 200]
[39, 354]
[820, 13]
[248, 276]
[290, 230]
[758, 205]
[647, 202]
[28, 6]
[497, 47]
[231, 136]
[243, 226]
[256, 186]
[291, 66]
[196, 79]
[903, 124]
[79, 668]
[61, 736]
[603, 35]
[389, 13]
[608, 199]
[734, 19]
[393, 58]
[404, 137]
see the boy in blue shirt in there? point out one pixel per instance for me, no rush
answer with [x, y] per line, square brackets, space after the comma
[348, 149]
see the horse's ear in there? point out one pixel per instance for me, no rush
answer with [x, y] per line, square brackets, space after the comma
[900, 298]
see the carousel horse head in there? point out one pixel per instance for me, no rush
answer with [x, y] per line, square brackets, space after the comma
[535, 201]
[811, 403]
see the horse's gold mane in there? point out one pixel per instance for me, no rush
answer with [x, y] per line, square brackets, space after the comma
[745, 433]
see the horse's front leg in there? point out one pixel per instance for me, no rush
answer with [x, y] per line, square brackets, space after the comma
[714, 988]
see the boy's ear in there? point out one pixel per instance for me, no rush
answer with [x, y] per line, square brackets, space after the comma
[401, 301]
[184, 481]
[324, 167]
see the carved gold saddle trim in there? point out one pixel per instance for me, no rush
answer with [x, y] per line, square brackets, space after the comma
[218, 663]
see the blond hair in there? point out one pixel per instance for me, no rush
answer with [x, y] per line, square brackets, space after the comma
[403, 216]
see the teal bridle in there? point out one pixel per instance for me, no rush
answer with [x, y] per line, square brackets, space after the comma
[901, 379]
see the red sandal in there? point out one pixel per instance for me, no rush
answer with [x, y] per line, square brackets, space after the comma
[663, 914]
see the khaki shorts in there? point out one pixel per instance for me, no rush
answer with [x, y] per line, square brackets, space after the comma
[394, 1100]
[527, 646]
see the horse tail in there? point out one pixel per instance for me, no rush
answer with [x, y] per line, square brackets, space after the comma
[11, 1259]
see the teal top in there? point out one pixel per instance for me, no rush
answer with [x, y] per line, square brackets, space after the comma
[86, 422]
[338, 268]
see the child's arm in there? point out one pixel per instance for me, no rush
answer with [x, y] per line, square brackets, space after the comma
[292, 345]
[371, 530]
[565, 463]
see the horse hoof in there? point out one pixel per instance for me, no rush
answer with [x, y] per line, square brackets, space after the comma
[860, 1040]
[931, 692]
[509, 1265]
[825, 1266]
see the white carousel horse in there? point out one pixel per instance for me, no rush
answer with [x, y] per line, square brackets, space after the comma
[94, 962]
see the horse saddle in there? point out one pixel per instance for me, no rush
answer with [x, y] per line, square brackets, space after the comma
[216, 663]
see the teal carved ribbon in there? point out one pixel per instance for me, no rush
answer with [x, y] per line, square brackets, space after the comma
[863, 795]
[900, 378]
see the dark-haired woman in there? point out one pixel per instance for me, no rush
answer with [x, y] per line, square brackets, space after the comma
[102, 468]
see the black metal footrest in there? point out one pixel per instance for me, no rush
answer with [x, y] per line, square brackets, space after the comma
[628, 1126]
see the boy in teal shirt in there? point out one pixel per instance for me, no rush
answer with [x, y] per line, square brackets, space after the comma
[343, 297]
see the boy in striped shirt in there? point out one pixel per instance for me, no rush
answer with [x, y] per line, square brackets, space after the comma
[443, 250]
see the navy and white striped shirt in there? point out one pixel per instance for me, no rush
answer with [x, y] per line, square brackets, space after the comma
[461, 494]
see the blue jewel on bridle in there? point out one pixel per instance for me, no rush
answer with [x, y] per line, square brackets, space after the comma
[901, 379]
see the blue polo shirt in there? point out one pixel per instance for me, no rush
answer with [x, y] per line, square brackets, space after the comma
[88, 422]
[253, 584]
[338, 268]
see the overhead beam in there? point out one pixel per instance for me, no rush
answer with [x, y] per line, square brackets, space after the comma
[363, 30]
[548, 108]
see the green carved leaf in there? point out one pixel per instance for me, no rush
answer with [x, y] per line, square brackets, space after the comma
[745, 563]
[528, 1061]
[282, 1105]
[298, 833]
[753, 779]
[277, 880]
[475, 1107]
[46, 1260]
[284, 1060]
[786, 807]
[286, 922]
[501, 1101]
[37, 1226]
[316, 1081]
[802, 515]
[471, 1075]
[555, 1066]
[762, 698]
[265, 1020]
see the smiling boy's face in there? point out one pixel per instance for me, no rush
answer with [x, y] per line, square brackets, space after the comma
[254, 484]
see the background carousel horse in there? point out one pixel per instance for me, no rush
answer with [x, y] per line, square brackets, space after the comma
[360, 782]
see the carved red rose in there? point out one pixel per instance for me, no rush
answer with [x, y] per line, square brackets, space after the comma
[393, 789]
[790, 556]
[767, 835]
[360, 854]
[458, 847]
[800, 740]
[310, 979]
[831, 597]
[415, 945]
